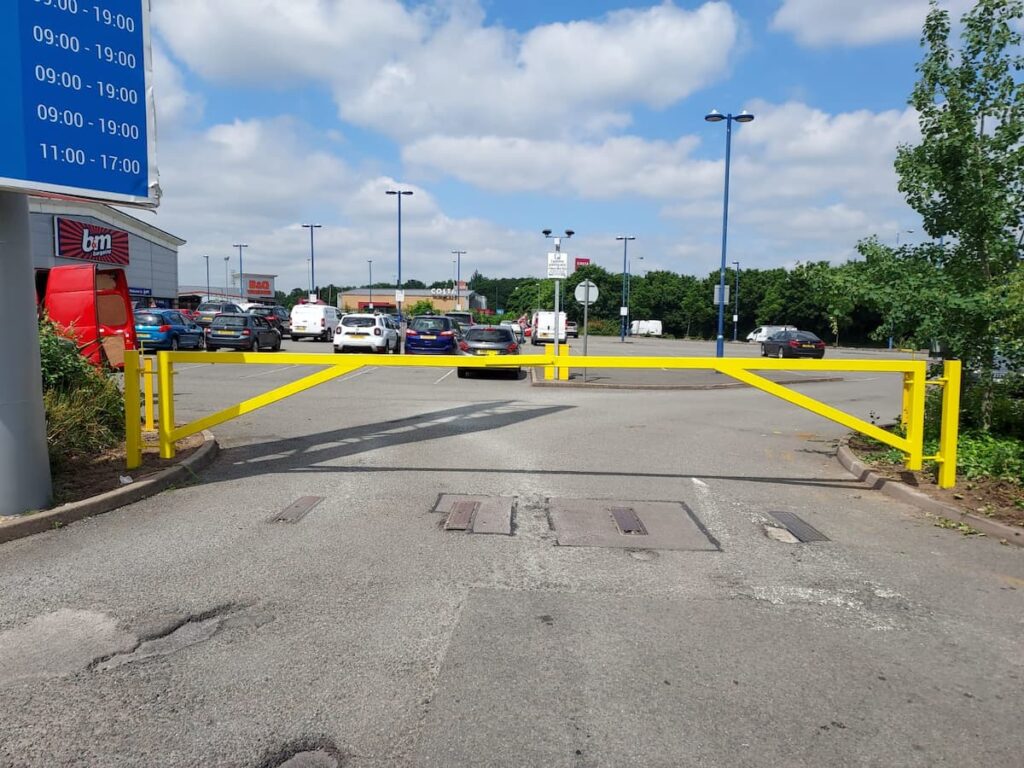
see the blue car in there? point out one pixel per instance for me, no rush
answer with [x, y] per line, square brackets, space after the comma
[429, 334]
[166, 329]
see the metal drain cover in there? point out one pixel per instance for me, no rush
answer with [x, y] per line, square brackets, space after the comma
[476, 514]
[628, 525]
[297, 510]
[799, 527]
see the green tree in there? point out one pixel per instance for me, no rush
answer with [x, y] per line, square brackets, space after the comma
[966, 176]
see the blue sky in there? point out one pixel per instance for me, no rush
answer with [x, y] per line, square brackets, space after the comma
[509, 117]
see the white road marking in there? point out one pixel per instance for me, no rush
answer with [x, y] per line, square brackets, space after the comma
[196, 365]
[352, 375]
[264, 373]
[445, 376]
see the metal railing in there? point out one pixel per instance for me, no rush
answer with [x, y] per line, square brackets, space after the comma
[914, 373]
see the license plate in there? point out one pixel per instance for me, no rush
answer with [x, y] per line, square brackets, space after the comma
[428, 338]
[807, 346]
[300, 327]
[223, 333]
[487, 351]
[143, 335]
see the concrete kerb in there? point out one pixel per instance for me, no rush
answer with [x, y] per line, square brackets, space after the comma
[909, 495]
[538, 380]
[27, 525]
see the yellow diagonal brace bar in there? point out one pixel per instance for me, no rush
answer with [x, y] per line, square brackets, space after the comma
[255, 403]
[818, 407]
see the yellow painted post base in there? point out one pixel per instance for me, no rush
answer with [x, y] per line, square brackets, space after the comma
[561, 370]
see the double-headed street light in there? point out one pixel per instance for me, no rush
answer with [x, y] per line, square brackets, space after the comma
[207, 277]
[398, 286]
[624, 310]
[736, 296]
[241, 290]
[458, 278]
[714, 116]
[312, 258]
[226, 260]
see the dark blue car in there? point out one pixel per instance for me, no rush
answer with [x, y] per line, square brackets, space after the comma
[429, 334]
[166, 329]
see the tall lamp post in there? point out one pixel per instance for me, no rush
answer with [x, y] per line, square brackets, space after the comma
[369, 263]
[625, 269]
[399, 193]
[312, 257]
[458, 278]
[226, 260]
[714, 116]
[736, 310]
[558, 247]
[207, 277]
[241, 290]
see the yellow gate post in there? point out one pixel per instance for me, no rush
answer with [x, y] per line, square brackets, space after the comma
[132, 424]
[949, 431]
[915, 422]
[165, 375]
[147, 392]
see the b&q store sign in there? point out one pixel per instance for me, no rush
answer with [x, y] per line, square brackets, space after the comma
[259, 287]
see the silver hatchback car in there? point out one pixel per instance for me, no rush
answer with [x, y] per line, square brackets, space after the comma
[488, 340]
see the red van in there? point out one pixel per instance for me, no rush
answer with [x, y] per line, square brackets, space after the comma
[92, 304]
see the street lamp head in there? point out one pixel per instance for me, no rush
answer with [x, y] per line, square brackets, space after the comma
[714, 116]
[311, 226]
[546, 232]
[570, 232]
[744, 117]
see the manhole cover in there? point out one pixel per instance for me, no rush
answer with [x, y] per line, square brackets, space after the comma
[476, 514]
[799, 527]
[628, 525]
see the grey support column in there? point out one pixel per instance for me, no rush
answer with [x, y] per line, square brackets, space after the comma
[24, 461]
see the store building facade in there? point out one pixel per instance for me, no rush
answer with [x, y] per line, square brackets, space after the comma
[383, 299]
[73, 232]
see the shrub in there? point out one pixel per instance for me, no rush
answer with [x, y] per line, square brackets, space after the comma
[84, 407]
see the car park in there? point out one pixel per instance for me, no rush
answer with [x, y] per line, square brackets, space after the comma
[242, 331]
[793, 344]
[210, 309]
[489, 340]
[166, 329]
[314, 321]
[432, 334]
[277, 316]
[366, 332]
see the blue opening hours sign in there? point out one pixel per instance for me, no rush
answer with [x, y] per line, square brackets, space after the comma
[76, 104]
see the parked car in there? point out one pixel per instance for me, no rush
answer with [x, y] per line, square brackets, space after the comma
[489, 340]
[166, 329]
[365, 332]
[571, 329]
[278, 317]
[432, 334]
[242, 331]
[210, 309]
[793, 344]
[464, 319]
[762, 332]
[645, 328]
[314, 321]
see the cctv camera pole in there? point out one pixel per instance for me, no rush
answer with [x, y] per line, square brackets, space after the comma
[24, 459]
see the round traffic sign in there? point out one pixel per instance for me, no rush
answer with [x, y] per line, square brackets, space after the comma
[586, 292]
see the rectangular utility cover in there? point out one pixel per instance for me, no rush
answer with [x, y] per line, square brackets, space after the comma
[799, 527]
[476, 514]
[628, 525]
[297, 510]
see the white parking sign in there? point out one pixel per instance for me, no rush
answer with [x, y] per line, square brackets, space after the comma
[558, 265]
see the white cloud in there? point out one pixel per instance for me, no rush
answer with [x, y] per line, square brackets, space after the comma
[818, 23]
[175, 104]
[413, 73]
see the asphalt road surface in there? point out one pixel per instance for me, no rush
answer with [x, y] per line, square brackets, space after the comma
[190, 630]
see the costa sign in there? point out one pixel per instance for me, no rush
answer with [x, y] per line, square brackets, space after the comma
[78, 240]
[256, 287]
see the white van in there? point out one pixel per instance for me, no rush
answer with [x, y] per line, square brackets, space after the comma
[762, 332]
[314, 321]
[645, 328]
[544, 328]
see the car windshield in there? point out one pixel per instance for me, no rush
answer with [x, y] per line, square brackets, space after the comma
[805, 336]
[229, 322]
[261, 310]
[148, 318]
[489, 334]
[430, 324]
[354, 321]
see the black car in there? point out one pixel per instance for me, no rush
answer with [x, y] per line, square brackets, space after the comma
[210, 309]
[278, 317]
[793, 344]
[242, 331]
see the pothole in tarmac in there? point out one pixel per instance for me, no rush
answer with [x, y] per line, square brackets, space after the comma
[780, 534]
[185, 632]
[318, 753]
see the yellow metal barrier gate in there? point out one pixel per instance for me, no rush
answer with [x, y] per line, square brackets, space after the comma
[914, 384]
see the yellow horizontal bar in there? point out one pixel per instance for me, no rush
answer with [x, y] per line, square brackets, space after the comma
[449, 361]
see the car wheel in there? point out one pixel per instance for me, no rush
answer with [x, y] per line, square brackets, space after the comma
[255, 346]
[294, 337]
[781, 354]
[277, 345]
[211, 348]
[337, 350]
[462, 373]
[764, 351]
